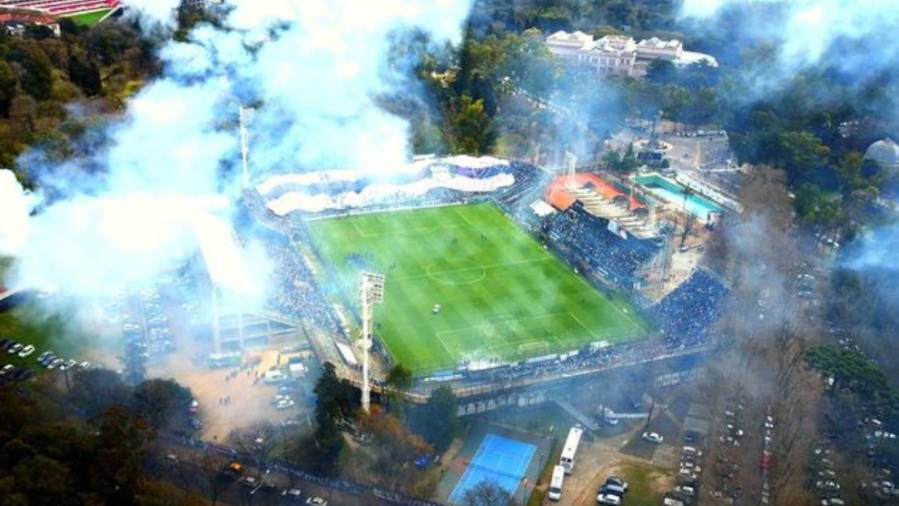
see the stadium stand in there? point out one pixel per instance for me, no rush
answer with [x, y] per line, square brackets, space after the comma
[524, 190]
[687, 314]
[294, 292]
[61, 7]
[592, 242]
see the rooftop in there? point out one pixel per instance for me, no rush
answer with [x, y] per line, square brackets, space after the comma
[885, 152]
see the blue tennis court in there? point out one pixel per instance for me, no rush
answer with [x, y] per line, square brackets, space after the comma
[498, 459]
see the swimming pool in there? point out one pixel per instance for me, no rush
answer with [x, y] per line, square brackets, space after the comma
[677, 194]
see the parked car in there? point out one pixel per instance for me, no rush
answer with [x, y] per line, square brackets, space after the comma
[608, 499]
[14, 348]
[293, 494]
[26, 351]
[618, 482]
[316, 501]
[284, 403]
[612, 489]
[653, 437]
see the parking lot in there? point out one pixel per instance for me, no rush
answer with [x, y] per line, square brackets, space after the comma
[232, 398]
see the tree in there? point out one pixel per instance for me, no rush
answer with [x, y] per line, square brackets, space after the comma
[676, 100]
[336, 401]
[96, 390]
[159, 400]
[660, 71]
[116, 468]
[337, 398]
[471, 127]
[8, 87]
[36, 70]
[399, 378]
[85, 75]
[395, 446]
[801, 154]
[487, 493]
[258, 440]
[437, 421]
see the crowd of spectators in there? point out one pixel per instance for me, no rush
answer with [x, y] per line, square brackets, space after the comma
[293, 291]
[589, 242]
[687, 314]
[525, 190]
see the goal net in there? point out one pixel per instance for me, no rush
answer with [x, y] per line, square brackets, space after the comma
[532, 348]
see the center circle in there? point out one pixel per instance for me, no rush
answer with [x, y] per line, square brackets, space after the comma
[453, 272]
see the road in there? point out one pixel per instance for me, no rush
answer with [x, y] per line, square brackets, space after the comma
[199, 469]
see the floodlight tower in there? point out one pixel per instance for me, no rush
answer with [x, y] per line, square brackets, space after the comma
[372, 292]
[246, 115]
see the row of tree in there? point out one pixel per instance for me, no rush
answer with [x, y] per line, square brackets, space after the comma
[87, 446]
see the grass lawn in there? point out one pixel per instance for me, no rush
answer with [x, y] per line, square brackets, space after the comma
[646, 484]
[89, 18]
[28, 323]
[501, 294]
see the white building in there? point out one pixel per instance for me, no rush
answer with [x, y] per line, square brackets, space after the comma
[610, 55]
[885, 153]
[620, 54]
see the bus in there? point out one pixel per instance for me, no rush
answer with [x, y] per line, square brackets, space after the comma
[569, 451]
[555, 485]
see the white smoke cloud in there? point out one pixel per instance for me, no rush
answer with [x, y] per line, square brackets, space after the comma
[313, 67]
[846, 33]
[15, 206]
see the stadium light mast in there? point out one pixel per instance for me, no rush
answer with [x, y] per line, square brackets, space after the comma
[246, 115]
[372, 292]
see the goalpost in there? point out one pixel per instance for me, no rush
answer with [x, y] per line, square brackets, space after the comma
[533, 348]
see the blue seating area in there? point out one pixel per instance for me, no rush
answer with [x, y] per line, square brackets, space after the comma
[485, 173]
[525, 190]
[589, 241]
[687, 314]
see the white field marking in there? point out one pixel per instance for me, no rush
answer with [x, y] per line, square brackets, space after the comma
[504, 344]
[485, 267]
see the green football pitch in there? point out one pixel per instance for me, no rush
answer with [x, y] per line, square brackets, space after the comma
[501, 294]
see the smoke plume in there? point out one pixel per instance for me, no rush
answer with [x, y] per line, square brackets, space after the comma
[855, 38]
[311, 69]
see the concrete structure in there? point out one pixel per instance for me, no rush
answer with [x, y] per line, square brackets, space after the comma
[885, 152]
[620, 54]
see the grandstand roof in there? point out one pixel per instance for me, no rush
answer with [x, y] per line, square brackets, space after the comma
[603, 199]
[221, 253]
[558, 197]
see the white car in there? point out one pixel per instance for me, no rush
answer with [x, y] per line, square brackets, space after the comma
[316, 501]
[653, 437]
[14, 348]
[608, 499]
[284, 404]
[691, 466]
[293, 493]
[685, 490]
[28, 350]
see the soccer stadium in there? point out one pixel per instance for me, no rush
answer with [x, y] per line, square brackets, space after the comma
[87, 10]
[494, 269]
